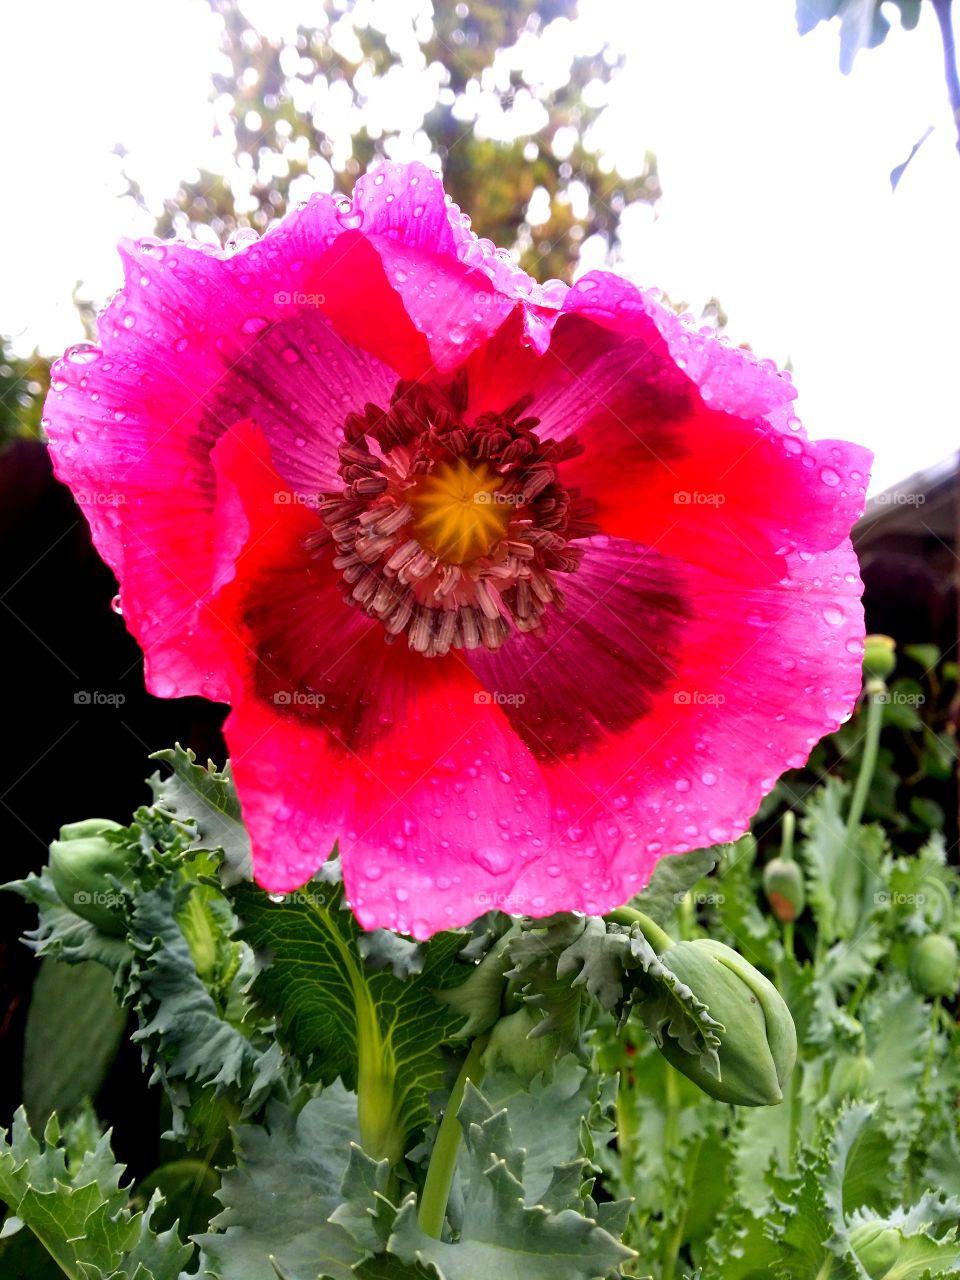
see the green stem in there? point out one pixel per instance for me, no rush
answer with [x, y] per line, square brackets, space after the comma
[871, 746]
[786, 835]
[443, 1158]
[788, 939]
[671, 1142]
[932, 1046]
[658, 938]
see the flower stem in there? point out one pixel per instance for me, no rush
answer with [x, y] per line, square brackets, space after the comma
[443, 1158]
[871, 745]
[945, 19]
[658, 938]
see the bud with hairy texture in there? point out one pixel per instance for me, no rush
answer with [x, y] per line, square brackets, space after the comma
[879, 657]
[934, 968]
[758, 1046]
[783, 885]
[84, 867]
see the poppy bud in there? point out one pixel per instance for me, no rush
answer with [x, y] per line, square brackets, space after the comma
[512, 1046]
[783, 885]
[877, 1247]
[879, 657]
[934, 965]
[84, 866]
[850, 1077]
[758, 1046]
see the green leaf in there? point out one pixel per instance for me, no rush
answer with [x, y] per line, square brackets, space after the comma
[562, 959]
[190, 1037]
[339, 1019]
[575, 1100]
[741, 1248]
[67, 1193]
[72, 1035]
[896, 1027]
[208, 799]
[845, 874]
[278, 1199]
[501, 1234]
[672, 878]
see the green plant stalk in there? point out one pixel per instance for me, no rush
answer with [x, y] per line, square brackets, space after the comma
[658, 938]
[671, 1140]
[871, 745]
[443, 1158]
[381, 1135]
[932, 1046]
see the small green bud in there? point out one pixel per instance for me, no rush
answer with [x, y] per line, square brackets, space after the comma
[879, 657]
[934, 968]
[877, 1247]
[783, 885]
[83, 866]
[759, 1041]
[511, 1045]
[851, 1077]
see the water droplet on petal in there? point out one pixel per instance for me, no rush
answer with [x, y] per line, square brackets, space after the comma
[833, 614]
[254, 324]
[829, 476]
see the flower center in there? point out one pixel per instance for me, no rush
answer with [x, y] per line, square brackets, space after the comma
[457, 511]
[453, 532]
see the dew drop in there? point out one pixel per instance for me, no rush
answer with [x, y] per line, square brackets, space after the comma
[116, 604]
[833, 614]
[493, 859]
[254, 324]
[82, 353]
[829, 476]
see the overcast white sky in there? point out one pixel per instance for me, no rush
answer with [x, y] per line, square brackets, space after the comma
[774, 168]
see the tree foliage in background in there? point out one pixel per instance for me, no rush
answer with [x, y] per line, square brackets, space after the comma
[306, 111]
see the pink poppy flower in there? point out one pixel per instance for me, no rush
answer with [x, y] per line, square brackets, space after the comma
[512, 589]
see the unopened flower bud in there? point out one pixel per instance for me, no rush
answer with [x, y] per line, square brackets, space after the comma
[879, 657]
[934, 968]
[877, 1247]
[511, 1045]
[851, 1077]
[758, 1046]
[84, 866]
[783, 885]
